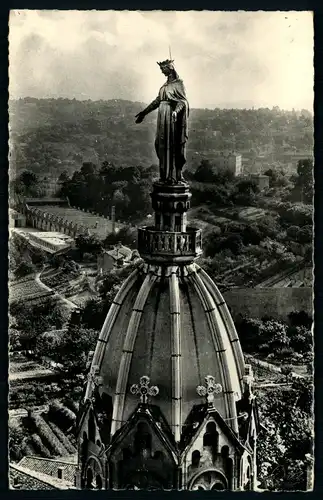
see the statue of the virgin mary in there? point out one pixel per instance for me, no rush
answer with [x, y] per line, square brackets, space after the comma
[171, 135]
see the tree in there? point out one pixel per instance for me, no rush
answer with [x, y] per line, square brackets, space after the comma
[245, 192]
[88, 244]
[251, 235]
[301, 339]
[24, 268]
[300, 318]
[31, 320]
[125, 235]
[26, 183]
[73, 350]
[305, 234]
[63, 177]
[287, 370]
[233, 242]
[277, 178]
[305, 178]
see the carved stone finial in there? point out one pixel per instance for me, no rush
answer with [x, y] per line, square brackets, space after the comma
[143, 389]
[94, 378]
[209, 390]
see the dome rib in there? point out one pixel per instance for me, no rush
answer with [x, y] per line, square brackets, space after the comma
[127, 351]
[110, 319]
[176, 353]
[210, 310]
[227, 320]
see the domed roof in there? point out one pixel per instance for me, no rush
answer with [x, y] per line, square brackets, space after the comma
[169, 323]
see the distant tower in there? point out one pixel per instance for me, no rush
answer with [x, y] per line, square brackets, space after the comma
[168, 403]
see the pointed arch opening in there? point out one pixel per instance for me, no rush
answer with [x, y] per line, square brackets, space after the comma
[89, 479]
[91, 427]
[211, 439]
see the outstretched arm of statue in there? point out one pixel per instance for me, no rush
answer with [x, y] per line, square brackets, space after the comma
[152, 106]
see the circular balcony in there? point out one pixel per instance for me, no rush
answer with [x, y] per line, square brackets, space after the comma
[172, 247]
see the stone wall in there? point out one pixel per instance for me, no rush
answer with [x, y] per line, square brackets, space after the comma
[273, 302]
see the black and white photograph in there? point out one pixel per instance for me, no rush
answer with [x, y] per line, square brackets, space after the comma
[160, 270]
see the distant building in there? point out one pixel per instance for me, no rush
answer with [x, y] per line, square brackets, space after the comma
[52, 242]
[230, 161]
[36, 473]
[16, 219]
[119, 256]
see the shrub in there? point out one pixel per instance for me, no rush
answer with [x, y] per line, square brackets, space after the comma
[72, 405]
[39, 446]
[300, 318]
[63, 416]
[300, 338]
[62, 437]
[16, 436]
[47, 436]
[24, 269]
[27, 447]
[287, 370]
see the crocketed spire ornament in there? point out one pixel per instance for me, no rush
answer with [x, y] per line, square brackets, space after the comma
[210, 390]
[143, 389]
[93, 377]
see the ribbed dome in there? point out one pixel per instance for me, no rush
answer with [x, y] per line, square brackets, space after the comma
[171, 324]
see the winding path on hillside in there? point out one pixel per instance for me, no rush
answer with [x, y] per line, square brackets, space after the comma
[67, 302]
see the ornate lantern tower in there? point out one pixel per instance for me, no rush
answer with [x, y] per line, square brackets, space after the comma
[169, 403]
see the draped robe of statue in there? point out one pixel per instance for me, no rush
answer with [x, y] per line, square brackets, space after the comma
[171, 137]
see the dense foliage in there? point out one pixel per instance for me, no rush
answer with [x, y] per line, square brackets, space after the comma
[31, 320]
[285, 442]
[53, 135]
[23, 258]
[278, 340]
[100, 188]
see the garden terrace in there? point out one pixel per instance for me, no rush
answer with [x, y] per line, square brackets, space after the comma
[27, 290]
[48, 434]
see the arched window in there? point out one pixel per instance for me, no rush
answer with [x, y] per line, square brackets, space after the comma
[209, 480]
[227, 463]
[225, 451]
[211, 437]
[218, 486]
[89, 479]
[98, 482]
[196, 456]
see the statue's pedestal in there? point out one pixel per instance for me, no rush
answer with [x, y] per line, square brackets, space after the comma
[170, 240]
[170, 203]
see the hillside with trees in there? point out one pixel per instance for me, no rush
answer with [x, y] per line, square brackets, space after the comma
[53, 135]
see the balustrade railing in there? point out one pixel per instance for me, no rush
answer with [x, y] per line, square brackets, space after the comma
[169, 244]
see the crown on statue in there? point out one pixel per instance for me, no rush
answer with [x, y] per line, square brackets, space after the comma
[168, 62]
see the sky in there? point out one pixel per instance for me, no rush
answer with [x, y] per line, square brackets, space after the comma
[226, 59]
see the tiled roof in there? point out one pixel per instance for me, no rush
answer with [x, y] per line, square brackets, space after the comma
[40, 481]
[50, 467]
[120, 253]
